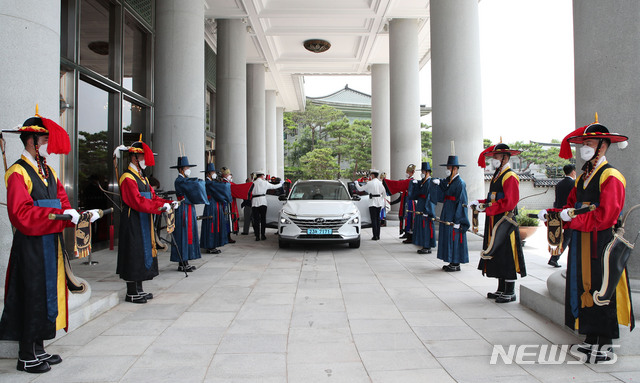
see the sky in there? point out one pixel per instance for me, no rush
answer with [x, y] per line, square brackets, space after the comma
[526, 50]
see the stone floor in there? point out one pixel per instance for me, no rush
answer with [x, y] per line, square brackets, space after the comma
[255, 313]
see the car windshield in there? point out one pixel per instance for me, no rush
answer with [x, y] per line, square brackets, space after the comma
[319, 191]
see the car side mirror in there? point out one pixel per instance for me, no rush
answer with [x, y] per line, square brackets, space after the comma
[355, 197]
[282, 197]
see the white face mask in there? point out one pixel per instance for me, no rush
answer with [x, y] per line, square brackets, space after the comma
[42, 150]
[408, 175]
[423, 175]
[447, 172]
[587, 152]
[187, 172]
[143, 164]
[214, 176]
[495, 162]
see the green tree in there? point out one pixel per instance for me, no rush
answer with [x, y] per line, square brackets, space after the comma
[315, 118]
[425, 143]
[319, 164]
[339, 133]
[359, 147]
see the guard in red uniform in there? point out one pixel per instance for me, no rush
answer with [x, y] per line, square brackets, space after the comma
[35, 301]
[604, 186]
[504, 192]
[137, 254]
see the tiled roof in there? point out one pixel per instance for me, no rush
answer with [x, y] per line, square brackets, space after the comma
[345, 96]
[537, 182]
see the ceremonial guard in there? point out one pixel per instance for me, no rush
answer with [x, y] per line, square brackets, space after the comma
[563, 188]
[231, 209]
[601, 185]
[452, 233]
[35, 301]
[376, 200]
[259, 204]
[137, 254]
[214, 228]
[422, 192]
[190, 191]
[502, 256]
[407, 203]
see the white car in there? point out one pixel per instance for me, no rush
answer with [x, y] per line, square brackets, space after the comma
[319, 211]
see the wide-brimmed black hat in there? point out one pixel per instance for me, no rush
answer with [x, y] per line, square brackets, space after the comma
[453, 161]
[210, 168]
[183, 162]
[426, 167]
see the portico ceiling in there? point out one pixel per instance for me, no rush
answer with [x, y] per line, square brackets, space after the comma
[356, 29]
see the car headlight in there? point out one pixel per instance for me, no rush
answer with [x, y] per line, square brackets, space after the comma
[284, 221]
[354, 221]
[350, 214]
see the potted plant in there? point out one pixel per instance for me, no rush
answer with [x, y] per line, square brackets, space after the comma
[527, 225]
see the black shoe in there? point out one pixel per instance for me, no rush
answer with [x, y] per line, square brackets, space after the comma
[494, 295]
[450, 268]
[584, 348]
[264, 238]
[257, 238]
[244, 233]
[505, 298]
[375, 238]
[403, 236]
[187, 268]
[51, 359]
[553, 263]
[146, 295]
[231, 240]
[600, 356]
[424, 251]
[135, 298]
[213, 251]
[33, 366]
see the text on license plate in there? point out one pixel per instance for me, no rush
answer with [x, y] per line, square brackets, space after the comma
[319, 231]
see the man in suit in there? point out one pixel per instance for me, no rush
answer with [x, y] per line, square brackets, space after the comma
[563, 188]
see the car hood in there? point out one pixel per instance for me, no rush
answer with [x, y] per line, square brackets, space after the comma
[319, 208]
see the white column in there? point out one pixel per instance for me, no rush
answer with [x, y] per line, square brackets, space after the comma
[179, 86]
[455, 88]
[231, 100]
[30, 61]
[270, 133]
[405, 95]
[280, 141]
[380, 118]
[256, 146]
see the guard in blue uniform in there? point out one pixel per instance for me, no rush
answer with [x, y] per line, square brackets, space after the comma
[452, 235]
[214, 232]
[422, 191]
[191, 191]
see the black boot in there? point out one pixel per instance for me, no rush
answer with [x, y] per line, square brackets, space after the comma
[602, 353]
[499, 291]
[230, 240]
[44, 356]
[27, 360]
[141, 291]
[132, 294]
[553, 261]
[509, 294]
[409, 238]
[185, 266]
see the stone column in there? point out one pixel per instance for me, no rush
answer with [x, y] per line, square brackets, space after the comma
[231, 99]
[455, 88]
[270, 133]
[179, 86]
[380, 120]
[256, 146]
[404, 96]
[606, 81]
[280, 141]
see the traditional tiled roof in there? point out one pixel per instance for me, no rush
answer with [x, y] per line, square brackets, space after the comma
[344, 96]
[537, 182]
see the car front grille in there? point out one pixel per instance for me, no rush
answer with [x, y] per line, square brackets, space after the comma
[304, 224]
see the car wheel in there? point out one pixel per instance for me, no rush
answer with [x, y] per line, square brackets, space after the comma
[355, 244]
[282, 244]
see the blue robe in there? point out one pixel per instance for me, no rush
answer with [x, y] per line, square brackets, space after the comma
[190, 191]
[452, 243]
[423, 230]
[214, 231]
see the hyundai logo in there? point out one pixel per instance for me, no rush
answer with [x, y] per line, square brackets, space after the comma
[319, 220]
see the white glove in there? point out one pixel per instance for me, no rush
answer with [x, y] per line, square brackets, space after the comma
[474, 203]
[564, 215]
[541, 215]
[436, 181]
[166, 207]
[74, 215]
[456, 225]
[414, 181]
[116, 153]
[175, 204]
[480, 207]
[95, 214]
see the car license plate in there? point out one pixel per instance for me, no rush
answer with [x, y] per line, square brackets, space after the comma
[319, 231]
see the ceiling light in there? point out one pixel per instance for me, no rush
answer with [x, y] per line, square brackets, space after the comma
[317, 45]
